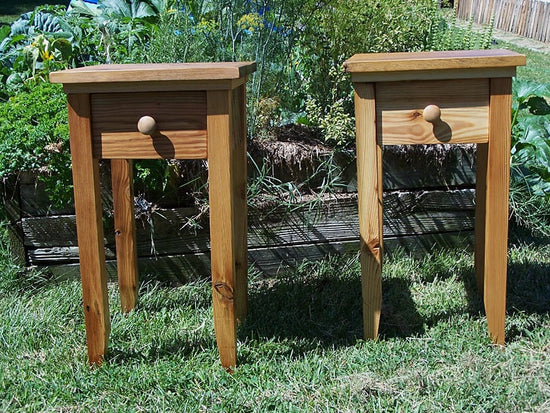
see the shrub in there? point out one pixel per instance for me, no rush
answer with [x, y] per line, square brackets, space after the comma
[35, 137]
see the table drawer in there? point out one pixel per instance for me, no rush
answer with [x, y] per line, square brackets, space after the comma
[180, 125]
[463, 103]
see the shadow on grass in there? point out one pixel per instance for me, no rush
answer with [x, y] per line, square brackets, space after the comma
[326, 311]
[309, 308]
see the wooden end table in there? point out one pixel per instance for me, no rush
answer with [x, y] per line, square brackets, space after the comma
[150, 111]
[454, 97]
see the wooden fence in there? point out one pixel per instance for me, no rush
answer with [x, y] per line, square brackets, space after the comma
[529, 18]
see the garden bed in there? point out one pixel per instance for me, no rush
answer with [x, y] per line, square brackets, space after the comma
[428, 201]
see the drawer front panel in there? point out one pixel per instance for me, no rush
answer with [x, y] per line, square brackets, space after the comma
[180, 118]
[464, 106]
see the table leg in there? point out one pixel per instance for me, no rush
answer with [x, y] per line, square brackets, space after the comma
[479, 229]
[89, 226]
[369, 187]
[125, 232]
[228, 217]
[492, 237]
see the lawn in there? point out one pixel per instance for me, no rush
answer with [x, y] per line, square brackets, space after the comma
[300, 349]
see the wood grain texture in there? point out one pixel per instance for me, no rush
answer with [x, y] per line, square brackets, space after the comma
[180, 118]
[480, 230]
[430, 61]
[369, 185]
[239, 204]
[154, 86]
[496, 207]
[181, 268]
[443, 74]
[161, 72]
[464, 106]
[227, 218]
[89, 228]
[125, 232]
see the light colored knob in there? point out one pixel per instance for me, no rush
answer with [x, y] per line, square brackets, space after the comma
[147, 125]
[432, 113]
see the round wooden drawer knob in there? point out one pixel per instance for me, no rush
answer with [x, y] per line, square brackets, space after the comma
[432, 113]
[147, 125]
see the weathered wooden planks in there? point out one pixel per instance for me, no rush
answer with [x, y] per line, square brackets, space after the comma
[276, 238]
[529, 18]
[407, 214]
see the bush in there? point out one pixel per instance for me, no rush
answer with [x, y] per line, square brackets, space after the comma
[35, 137]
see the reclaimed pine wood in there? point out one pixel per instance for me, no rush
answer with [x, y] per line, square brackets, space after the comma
[158, 72]
[239, 206]
[225, 220]
[492, 234]
[381, 67]
[369, 188]
[89, 228]
[495, 237]
[464, 106]
[180, 116]
[125, 232]
[480, 229]
[173, 120]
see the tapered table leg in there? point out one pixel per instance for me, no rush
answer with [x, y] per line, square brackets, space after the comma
[89, 226]
[369, 183]
[125, 232]
[228, 220]
[492, 238]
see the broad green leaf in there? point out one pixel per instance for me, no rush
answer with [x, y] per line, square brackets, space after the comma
[4, 32]
[63, 46]
[80, 7]
[45, 22]
[525, 88]
[140, 9]
[538, 105]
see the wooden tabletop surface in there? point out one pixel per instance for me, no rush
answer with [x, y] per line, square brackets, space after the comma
[445, 60]
[154, 72]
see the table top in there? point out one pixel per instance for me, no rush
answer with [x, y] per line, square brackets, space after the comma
[154, 72]
[443, 60]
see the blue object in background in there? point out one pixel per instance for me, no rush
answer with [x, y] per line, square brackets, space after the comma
[90, 1]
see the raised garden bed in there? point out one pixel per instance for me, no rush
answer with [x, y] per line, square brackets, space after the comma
[429, 201]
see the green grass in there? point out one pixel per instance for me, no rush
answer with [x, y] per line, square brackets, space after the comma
[300, 349]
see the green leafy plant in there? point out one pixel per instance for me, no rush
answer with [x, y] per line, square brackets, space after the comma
[34, 136]
[115, 31]
[36, 43]
[337, 31]
[530, 180]
[458, 36]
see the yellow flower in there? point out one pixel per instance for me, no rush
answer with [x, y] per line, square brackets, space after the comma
[45, 55]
